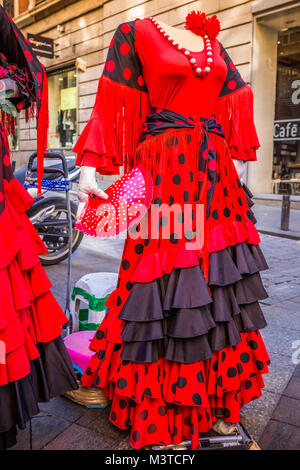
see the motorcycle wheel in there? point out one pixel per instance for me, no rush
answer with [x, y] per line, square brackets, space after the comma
[59, 247]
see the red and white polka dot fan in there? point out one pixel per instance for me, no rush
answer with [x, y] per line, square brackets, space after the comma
[128, 200]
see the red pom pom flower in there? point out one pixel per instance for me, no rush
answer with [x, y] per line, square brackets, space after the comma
[198, 23]
[213, 27]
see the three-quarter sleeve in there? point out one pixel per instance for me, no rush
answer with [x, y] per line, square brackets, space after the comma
[109, 139]
[235, 113]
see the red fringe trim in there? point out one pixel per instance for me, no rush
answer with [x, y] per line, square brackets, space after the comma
[235, 114]
[114, 128]
[30, 112]
[9, 122]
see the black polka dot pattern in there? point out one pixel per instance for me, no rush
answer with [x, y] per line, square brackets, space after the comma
[233, 79]
[157, 180]
[139, 248]
[181, 382]
[152, 429]
[122, 63]
[176, 179]
[99, 335]
[144, 415]
[125, 264]
[197, 399]
[121, 384]
[136, 436]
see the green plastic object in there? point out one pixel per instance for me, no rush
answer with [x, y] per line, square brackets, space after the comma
[83, 321]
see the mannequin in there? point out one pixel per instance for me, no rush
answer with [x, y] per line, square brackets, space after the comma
[191, 356]
[87, 182]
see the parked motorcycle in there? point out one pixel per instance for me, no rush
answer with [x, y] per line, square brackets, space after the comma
[49, 214]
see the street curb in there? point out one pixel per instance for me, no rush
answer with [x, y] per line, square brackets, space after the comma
[279, 233]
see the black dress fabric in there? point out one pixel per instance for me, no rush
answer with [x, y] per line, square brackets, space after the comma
[19, 400]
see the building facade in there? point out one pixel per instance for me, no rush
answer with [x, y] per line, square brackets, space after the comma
[262, 37]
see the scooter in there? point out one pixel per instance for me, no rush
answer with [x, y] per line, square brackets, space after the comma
[49, 214]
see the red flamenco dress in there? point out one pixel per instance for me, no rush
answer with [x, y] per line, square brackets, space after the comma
[34, 363]
[180, 345]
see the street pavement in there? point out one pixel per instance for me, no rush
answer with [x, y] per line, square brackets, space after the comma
[273, 420]
[269, 221]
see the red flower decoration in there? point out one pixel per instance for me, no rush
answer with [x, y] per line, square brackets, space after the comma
[213, 27]
[198, 23]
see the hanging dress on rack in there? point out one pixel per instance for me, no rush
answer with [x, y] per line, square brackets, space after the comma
[34, 363]
[180, 345]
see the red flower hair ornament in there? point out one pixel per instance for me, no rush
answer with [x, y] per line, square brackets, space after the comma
[198, 23]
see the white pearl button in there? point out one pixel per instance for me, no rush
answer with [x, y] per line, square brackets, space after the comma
[198, 70]
[192, 60]
[186, 52]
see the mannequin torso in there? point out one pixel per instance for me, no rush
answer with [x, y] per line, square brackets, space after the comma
[188, 40]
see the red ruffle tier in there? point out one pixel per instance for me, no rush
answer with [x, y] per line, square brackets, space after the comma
[29, 312]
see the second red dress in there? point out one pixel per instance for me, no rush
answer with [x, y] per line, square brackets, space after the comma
[180, 345]
[34, 363]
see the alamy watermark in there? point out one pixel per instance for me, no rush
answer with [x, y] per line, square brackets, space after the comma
[163, 221]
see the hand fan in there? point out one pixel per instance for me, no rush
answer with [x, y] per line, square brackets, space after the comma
[128, 200]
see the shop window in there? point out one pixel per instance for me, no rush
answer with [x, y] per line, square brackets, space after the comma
[286, 158]
[276, 84]
[62, 109]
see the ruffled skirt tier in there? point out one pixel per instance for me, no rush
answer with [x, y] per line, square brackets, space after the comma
[34, 364]
[177, 350]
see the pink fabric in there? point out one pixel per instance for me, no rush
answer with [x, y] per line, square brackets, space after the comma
[77, 345]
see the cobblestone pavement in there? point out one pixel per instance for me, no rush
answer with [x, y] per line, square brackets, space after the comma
[273, 420]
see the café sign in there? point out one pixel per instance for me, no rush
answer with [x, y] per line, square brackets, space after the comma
[286, 129]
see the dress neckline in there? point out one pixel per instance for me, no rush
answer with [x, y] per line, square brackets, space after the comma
[199, 69]
[170, 39]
